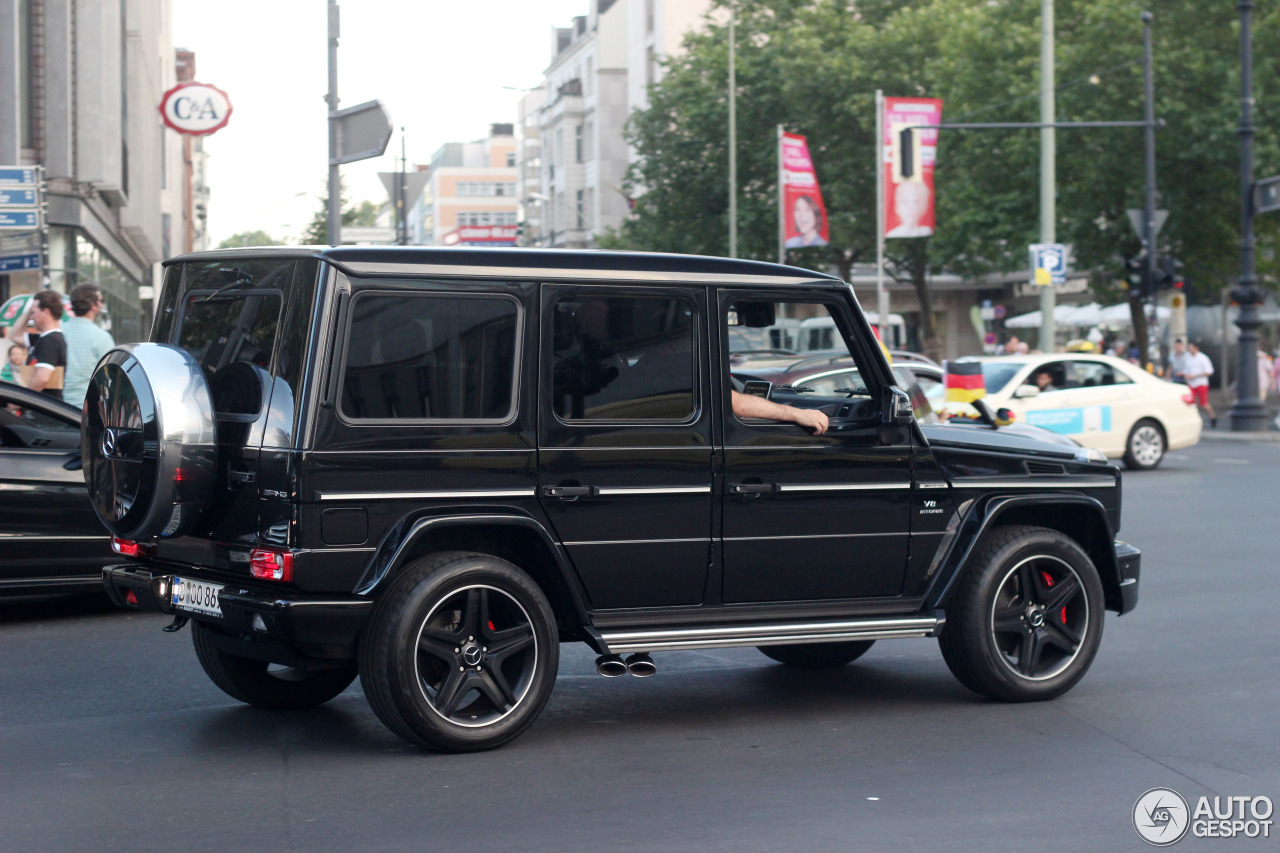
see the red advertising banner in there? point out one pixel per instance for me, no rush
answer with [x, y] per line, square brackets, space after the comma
[481, 235]
[805, 219]
[909, 202]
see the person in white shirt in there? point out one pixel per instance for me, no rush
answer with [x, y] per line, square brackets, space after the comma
[1197, 368]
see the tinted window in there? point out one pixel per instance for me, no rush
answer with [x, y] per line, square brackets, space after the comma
[232, 336]
[430, 357]
[627, 358]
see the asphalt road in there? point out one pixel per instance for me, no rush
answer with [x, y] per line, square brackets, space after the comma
[111, 737]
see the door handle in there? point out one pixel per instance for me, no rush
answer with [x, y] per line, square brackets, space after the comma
[752, 490]
[240, 475]
[568, 493]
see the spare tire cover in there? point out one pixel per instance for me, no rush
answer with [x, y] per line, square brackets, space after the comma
[149, 441]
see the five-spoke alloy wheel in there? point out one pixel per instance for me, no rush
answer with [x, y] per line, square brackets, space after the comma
[1026, 621]
[461, 652]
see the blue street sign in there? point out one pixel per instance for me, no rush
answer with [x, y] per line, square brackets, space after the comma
[21, 175]
[19, 220]
[1049, 260]
[19, 262]
[11, 197]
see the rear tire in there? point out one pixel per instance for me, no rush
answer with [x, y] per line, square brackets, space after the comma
[1025, 623]
[460, 653]
[255, 683]
[817, 655]
[1144, 448]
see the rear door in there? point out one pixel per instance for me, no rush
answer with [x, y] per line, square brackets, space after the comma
[625, 443]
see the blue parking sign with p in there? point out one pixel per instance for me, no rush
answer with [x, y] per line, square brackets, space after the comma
[1049, 260]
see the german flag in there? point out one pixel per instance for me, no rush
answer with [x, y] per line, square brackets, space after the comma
[964, 381]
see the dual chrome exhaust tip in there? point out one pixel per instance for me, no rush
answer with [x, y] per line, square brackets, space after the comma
[613, 666]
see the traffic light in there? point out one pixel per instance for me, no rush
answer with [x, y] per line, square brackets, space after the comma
[1135, 272]
[1170, 274]
[906, 153]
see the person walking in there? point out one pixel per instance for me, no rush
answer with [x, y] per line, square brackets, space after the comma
[47, 348]
[1176, 371]
[1197, 368]
[87, 342]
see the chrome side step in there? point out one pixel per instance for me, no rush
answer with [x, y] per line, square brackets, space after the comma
[770, 634]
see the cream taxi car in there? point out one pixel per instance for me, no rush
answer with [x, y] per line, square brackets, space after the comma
[1099, 401]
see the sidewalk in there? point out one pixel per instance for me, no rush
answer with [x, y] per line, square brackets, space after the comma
[1221, 401]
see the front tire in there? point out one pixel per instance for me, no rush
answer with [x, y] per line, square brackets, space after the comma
[1026, 620]
[1144, 449]
[255, 683]
[460, 653]
[817, 655]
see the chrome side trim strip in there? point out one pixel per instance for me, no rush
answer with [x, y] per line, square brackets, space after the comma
[809, 536]
[840, 487]
[46, 538]
[932, 485]
[703, 637]
[561, 274]
[1128, 581]
[426, 496]
[1066, 482]
[654, 490]
[631, 541]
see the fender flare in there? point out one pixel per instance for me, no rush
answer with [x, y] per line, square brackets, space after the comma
[400, 539]
[986, 514]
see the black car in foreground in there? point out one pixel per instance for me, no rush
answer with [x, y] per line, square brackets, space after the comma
[430, 467]
[50, 538]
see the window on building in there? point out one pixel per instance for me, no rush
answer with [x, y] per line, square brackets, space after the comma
[648, 16]
[589, 140]
[591, 207]
[622, 358]
[581, 207]
[511, 159]
[423, 357]
[650, 66]
[559, 152]
[577, 143]
[588, 80]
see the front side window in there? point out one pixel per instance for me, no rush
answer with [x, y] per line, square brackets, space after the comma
[623, 358]
[232, 336]
[421, 356]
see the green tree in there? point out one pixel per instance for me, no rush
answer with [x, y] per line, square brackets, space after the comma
[317, 234]
[249, 238]
[814, 66]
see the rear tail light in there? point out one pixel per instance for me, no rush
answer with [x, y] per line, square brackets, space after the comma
[269, 565]
[129, 548]
[1189, 398]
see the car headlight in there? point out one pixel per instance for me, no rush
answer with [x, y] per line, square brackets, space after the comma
[1090, 454]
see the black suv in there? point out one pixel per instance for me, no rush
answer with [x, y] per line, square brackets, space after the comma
[431, 466]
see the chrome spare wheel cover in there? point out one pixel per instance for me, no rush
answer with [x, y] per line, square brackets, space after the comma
[148, 441]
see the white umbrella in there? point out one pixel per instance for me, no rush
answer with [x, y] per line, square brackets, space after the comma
[1119, 315]
[1063, 315]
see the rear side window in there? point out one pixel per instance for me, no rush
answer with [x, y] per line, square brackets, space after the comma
[623, 358]
[430, 356]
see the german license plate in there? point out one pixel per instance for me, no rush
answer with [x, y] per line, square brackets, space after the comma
[197, 596]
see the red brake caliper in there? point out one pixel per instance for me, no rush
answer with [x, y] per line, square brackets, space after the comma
[491, 628]
[1048, 581]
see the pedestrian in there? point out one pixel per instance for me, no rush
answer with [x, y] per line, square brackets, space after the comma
[87, 342]
[1266, 373]
[1197, 368]
[1010, 346]
[47, 348]
[1176, 371]
[12, 370]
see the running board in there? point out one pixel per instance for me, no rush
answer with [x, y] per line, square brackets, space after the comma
[771, 634]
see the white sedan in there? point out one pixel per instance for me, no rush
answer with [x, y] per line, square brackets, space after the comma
[1098, 400]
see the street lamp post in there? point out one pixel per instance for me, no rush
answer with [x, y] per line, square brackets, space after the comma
[1247, 412]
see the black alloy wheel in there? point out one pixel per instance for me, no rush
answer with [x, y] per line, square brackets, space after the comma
[1026, 620]
[461, 652]
[262, 685]
[817, 655]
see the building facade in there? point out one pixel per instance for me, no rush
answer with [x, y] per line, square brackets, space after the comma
[80, 83]
[471, 197]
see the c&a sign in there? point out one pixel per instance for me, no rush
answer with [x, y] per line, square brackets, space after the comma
[196, 109]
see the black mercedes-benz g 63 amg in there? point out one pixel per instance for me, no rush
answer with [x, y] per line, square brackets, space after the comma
[429, 467]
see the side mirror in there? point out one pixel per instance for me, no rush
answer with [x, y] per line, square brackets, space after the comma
[1023, 391]
[898, 410]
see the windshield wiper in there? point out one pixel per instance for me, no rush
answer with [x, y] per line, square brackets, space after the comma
[242, 279]
[798, 389]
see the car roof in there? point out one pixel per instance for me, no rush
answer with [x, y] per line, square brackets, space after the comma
[551, 264]
[25, 396]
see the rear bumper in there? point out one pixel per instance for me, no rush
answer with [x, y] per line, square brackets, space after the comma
[281, 624]
[1129, 563]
